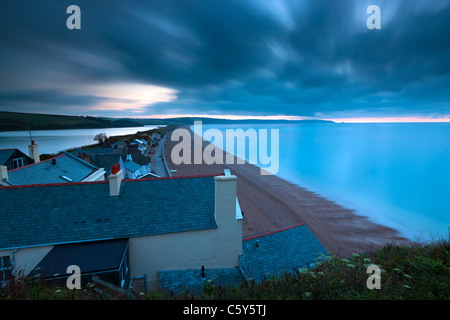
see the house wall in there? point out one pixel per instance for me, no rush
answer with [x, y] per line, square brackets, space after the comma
[133, 175]
[26, 259]
[212, 248]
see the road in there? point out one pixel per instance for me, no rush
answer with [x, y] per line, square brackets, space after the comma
[157, 160]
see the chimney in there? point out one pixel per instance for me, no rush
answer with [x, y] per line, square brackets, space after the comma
[228, 223]
[225, 198]
[3, 173]
[129, 157]
[115, 179]
[33, 150]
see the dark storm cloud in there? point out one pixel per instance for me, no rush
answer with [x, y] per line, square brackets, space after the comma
[255, 57]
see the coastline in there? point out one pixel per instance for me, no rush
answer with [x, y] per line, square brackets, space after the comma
[269, 202]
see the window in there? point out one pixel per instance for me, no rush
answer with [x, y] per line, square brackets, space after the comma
[17, 163]
[5, 268]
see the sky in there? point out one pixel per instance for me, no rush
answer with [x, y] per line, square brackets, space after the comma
[280, 59]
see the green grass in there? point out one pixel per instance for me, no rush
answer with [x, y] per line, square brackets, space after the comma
[418, 271]
[415, 271]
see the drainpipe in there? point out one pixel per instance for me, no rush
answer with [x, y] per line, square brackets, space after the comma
[13, 264]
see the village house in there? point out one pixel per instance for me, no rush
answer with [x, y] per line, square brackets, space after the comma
[148, 225]
[136, 165]
[132, 158]
[60, 169]
[14, 158]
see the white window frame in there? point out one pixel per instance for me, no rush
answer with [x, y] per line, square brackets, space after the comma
[17, 162]
[4, 269]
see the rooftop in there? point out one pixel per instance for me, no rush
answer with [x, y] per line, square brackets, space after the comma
[5, 154]
[131, 165]
[54, 170]
[37, 215]
[105, 161]
[280, 251]
[263, 255]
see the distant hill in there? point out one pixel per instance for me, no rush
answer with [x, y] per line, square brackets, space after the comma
[15, 121]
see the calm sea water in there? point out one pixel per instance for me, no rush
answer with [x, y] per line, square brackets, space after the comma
[54, 141]
[395, 174]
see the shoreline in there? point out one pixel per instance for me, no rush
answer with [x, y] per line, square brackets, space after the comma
[269, 202]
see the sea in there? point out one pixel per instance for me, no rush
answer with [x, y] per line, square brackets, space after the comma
[396, 174]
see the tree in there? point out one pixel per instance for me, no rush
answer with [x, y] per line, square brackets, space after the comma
[100, 138]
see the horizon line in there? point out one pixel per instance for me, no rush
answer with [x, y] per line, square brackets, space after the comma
[407, 119]
[361, 119]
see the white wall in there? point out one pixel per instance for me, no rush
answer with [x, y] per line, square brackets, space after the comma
[25, 260]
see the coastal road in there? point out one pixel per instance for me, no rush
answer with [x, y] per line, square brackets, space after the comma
[158, 163]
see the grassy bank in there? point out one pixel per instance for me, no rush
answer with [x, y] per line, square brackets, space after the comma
[418, 271]
[14, 121]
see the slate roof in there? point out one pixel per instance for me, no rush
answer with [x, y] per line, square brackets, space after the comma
[281, 251]
[90, 257]
[105, 161]
[138, 157]
[131, 165]
[177, 281]
[74, 212]
[5, 154]
[45, 172]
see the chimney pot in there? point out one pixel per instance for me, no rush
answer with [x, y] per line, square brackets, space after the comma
[115, 168]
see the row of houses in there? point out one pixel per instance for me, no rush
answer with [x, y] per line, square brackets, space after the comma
[175, 232]
[133, 157]
[80, 165]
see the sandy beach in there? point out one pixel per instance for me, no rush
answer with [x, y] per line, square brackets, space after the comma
[269, 203]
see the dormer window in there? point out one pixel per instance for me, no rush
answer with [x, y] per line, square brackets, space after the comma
[17, 163]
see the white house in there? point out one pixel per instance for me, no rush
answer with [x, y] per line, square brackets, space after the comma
[131, 228]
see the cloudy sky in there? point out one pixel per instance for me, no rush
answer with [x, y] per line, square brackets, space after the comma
[241, 58]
